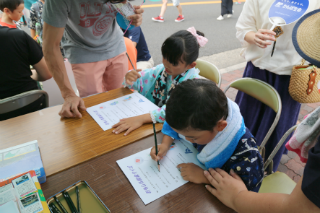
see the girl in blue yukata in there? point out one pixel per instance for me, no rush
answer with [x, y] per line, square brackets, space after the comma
[199, 112]
[180, 52]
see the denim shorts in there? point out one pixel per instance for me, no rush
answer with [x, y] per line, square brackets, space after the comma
[175, 2]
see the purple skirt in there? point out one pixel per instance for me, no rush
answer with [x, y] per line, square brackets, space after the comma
[258, 117]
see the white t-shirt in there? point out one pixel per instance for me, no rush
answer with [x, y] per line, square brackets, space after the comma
[254, 16]
[91, 31]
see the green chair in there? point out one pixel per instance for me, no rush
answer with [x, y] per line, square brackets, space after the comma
[21, 100]
[209, 71]
[263, 92]
[277, 182]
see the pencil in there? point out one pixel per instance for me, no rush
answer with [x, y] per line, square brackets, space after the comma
[130, 61]
[60, 205]
[53, 208]
[78, 199]
[69, 202]
[156, 144]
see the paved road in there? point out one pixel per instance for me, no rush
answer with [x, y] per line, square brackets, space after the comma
[221, 34]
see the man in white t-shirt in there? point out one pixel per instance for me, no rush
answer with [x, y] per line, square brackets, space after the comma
[93, 44]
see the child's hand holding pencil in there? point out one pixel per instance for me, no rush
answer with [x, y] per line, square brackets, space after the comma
[162, 151]
[163, 148]
[132, 76]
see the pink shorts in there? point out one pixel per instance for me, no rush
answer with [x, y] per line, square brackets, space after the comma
[101, 76]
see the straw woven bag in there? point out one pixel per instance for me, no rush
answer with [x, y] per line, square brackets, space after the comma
[304, 84]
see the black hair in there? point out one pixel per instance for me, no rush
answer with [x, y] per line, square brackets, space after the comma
[181, 46]
[10, 4]
[198, 104]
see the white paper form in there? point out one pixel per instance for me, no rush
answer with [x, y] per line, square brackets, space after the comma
[143, 174]
[109, 113]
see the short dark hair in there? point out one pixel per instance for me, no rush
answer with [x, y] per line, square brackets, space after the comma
[181, 46]
[10, 4]
[198, 104]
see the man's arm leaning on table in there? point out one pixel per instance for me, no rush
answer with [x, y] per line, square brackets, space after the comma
[51, 49]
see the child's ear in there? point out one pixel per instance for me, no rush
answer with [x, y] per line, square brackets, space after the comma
[6, 10]
[192, 65]
[221, 125]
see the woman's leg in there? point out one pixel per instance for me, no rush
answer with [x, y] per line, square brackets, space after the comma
[224, 7]
[179, 10]
[229, 6]
[163, 8]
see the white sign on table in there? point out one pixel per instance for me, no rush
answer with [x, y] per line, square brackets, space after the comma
[109, 113]
[143, 174]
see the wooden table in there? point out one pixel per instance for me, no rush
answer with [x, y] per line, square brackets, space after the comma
[70, 150]
[65, 143]
[106, 178]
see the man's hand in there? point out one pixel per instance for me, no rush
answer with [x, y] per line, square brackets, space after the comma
[226, 187]
[71, 106]
[132, 76]
[131, 124]
[193, 173]
[137, 18]
[162, 151]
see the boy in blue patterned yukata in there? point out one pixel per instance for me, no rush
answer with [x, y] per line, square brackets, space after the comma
[180, 52]
[199, 112]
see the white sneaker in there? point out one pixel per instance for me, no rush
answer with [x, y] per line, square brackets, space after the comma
[220, 18]
[229, 15]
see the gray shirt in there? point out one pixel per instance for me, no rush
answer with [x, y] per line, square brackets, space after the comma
[91, 31]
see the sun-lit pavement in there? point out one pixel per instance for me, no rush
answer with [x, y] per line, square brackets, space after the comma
[200, 14]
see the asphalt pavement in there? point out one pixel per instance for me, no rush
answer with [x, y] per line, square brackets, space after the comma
[202, 15]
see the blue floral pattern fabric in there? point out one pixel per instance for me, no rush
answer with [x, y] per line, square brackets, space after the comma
[246, 161]
[160, 91]
[146, 86]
